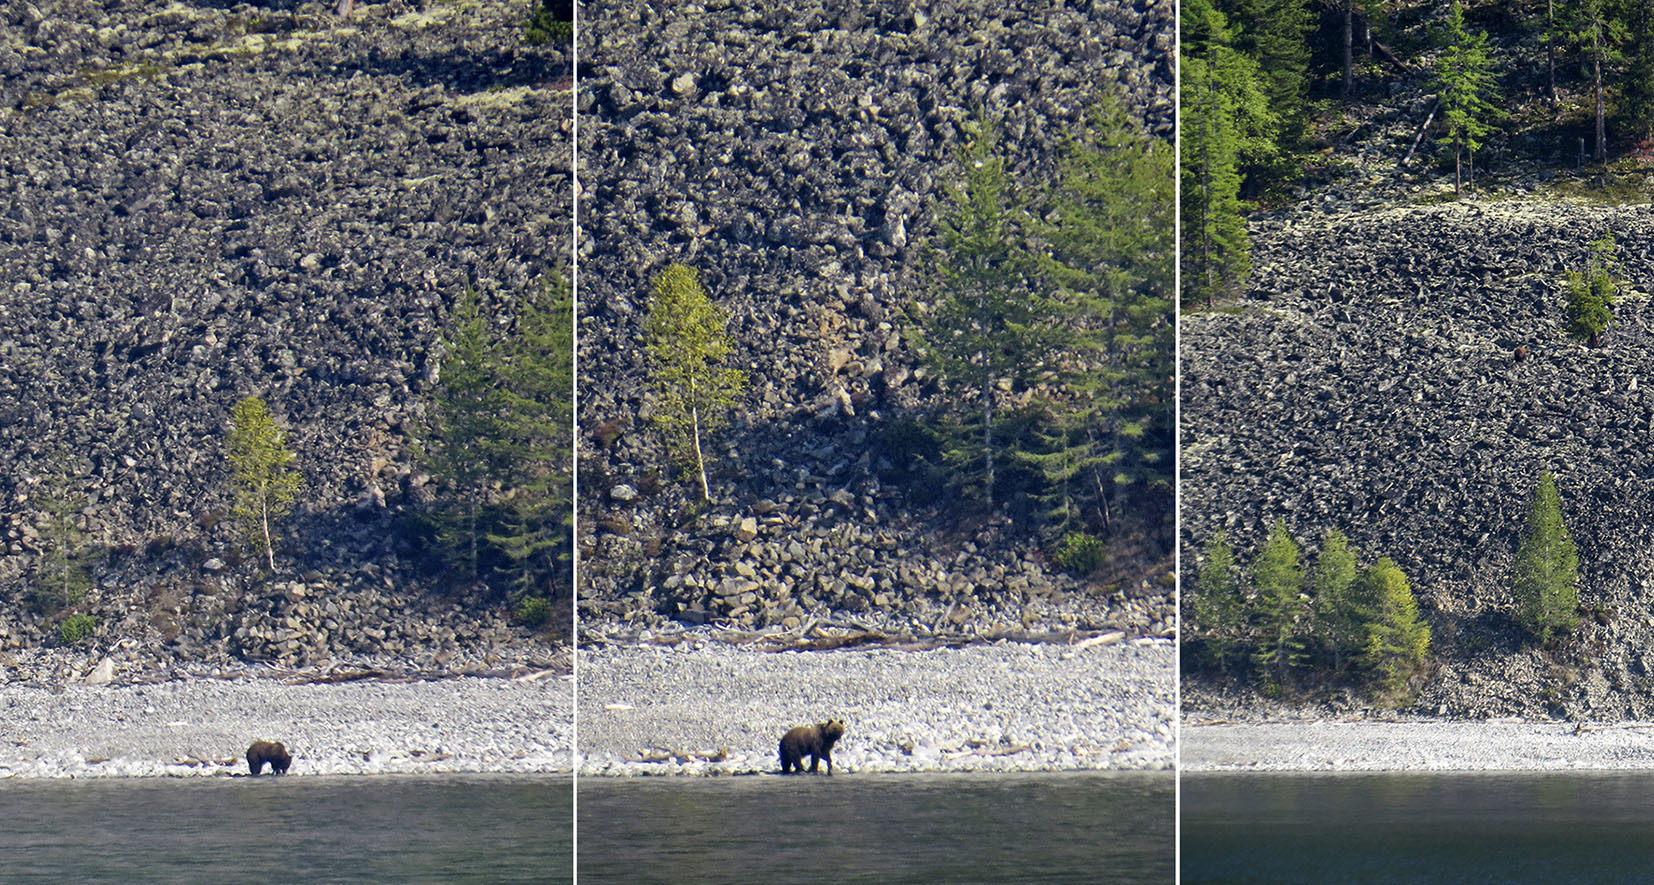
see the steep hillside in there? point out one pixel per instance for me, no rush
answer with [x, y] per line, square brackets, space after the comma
[794, 153]
[205, 203]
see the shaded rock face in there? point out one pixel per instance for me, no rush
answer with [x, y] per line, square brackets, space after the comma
[794, 153]
[1371, 384]
[204, 203]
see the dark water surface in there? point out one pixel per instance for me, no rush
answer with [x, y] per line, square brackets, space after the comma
[879, 828]
[1471, 827]
[458, 828]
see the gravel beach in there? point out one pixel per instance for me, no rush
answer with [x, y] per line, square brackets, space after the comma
[711, 708]
[203, 727]
[1424, 745]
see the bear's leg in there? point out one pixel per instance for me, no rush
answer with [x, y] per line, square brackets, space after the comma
[815, 762]
[828, 755]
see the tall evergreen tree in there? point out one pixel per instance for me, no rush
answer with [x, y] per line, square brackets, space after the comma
[1596, 29]
[1339, 616]
[688, 345]
[1464, 80]
[61, 576]
[1545, 579]
[1397, 640]
[1637, 85]
[1278, 581]
[1226, 120]
[990, 325]
[264, 482]
[1276, 35]
[1216, 605]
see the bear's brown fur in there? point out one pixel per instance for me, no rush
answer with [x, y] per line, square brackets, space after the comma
[815, 741]
[268, 751]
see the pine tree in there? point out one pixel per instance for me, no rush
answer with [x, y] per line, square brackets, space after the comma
[1339, 616]
[1278, 580]
[1595, 28]
[1545, 578]
[265, 484]
[1397, 640]
[687, 344]
[1464, 80]
[1275, 34]
[1637, 85]
[1217, 607]
[1226, 121]
[537, 387]
[1591, 293]
[1111, 238]
[61, 578]
[990, 325]
[467, 441]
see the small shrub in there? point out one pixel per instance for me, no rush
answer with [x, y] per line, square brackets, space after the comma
[552, 22]
[1591, 293]
[1080, 553]
[76, 627]
[533, 611]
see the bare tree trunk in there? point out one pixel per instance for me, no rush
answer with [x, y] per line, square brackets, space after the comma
[700, 462]
[1550, 48]
[988, 435]
[1349, 47]
[264, 520]
[1458, 155]
[1596, 72]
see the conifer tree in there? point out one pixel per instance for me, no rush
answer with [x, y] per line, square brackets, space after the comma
[1545, 579]
[61, 578]
[1397, 640]
[1464, 80]
[1339, 616]
[467, 443]
[990, 324]
[1596, 29]
[1275, 34]
[1278, 580]
[1637, 85]
[265, 484]
[1217, 607]
[1591, 293]
[687, 345]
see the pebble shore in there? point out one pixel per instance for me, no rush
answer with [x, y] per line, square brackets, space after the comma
[707, 708]
[1422, 745]
[201, 727]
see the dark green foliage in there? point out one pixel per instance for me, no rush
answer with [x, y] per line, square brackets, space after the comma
[1397, 640]
[1081, 554]
[552, 22]
[1545, 578]
[1465, 82]
[61, 576]
[1591, 293]
[499, 440]
[76, 627]
[1279, 612]
[1595, 28]
[1227, 121]
[1637, 86]
[532, 611]
[688, 346]
[1339, 615]
[1275, 34]
[1216, 606]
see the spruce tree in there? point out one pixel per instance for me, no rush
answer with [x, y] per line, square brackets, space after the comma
[688, 346]
[1278, 580]
[1464, 80]
[61, 576]
[1596, 29]
[1545, 578]
[1275, 34]
[1397, 640]
[1591, 293]
[265, 485]
[990, 326]
[1216, 605]
[1637, 85]
[1339, 616]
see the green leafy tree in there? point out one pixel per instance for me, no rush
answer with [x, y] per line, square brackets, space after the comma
[1109, 228]
[1591, 293]
[1397, 640]
[536, 368]
[688, 346]
[467, 442]
[1545, 579]
[1339, 616]
[265, 483]
[1465, 82]
[1227, 120]
[990, 325]
[1217, 607]
[1279, 611]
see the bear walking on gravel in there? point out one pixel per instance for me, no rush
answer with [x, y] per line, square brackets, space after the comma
[268, 751]
[815, 741]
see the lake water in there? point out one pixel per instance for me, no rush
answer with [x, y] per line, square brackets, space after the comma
[1471, 827]
[980, 828]
[288, 829]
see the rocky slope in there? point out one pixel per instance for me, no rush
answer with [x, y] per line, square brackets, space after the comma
[204, 203]
[1368, 382]
[793, 153]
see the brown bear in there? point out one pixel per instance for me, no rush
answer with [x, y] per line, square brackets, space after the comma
[816, 741]
[268, 751]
